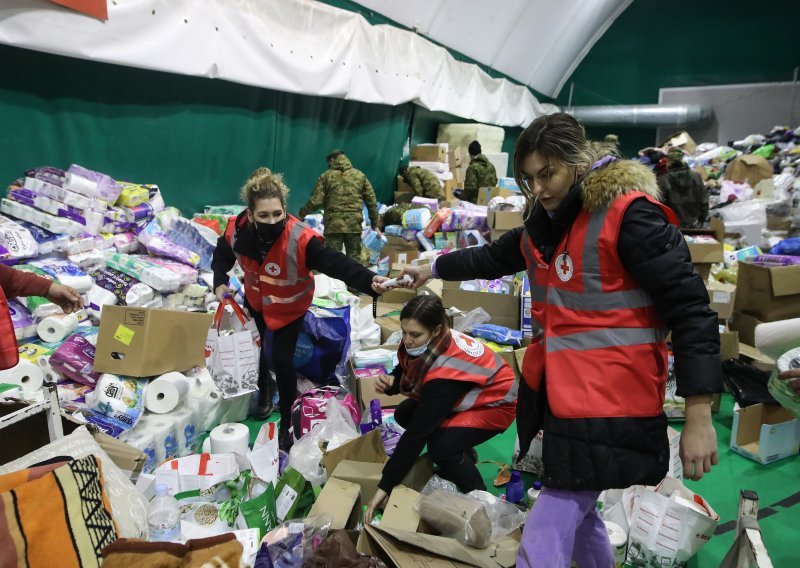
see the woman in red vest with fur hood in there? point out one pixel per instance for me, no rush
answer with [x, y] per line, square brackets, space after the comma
[277, 253]
[610, 275]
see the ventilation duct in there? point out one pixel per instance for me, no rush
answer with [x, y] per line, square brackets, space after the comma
[642, 116]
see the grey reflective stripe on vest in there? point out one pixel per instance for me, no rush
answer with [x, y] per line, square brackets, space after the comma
[609, 337]
[460, 365]
[291, 251]
[636, 298]
[267, 300]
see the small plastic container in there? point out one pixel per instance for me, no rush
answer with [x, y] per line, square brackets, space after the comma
[533, 493]
[515, 490]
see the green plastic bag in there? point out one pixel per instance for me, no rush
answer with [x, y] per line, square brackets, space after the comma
[260, 513]
[293, 495]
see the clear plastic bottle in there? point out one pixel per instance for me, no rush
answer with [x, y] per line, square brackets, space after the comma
[163, 516]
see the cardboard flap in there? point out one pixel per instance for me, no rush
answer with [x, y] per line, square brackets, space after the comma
[400, 512]
[785, 280]
[410, 549]
[338, 499]
[366, 448]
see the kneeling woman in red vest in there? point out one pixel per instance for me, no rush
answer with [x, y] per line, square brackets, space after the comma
[277, 253]
[460, 392]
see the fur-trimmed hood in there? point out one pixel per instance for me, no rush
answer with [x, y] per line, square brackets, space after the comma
[602, 186]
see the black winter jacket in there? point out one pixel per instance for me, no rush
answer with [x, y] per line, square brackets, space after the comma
[604, 453]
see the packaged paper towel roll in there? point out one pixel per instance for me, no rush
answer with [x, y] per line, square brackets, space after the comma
[777, 337]
[166, 392]
[99, 297]
[26, 375]
[164, 436]
[146, 442]
[118, 398]
[56, 328]
[186, 430]
[230, 438]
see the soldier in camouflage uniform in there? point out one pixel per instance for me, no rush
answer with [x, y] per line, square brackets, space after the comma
[480, 173]
[423, 182]
[683, 191]
[339, 192]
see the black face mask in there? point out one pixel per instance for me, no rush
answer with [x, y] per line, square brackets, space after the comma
[270, 232]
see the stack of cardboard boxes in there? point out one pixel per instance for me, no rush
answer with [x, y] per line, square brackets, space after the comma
[435, 153]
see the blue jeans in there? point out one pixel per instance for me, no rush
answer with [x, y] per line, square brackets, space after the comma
[565, 526]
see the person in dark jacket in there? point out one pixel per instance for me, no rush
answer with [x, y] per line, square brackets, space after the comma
[610, 273]
[461, 394]
[277, 253]
[683, 191]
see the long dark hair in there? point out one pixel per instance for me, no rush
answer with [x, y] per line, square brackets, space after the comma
[427, 310]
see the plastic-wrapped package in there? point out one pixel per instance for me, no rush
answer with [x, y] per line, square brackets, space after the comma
[504, 516]
[416, 219]
[17, 240]
[457, 516]
[291, 542]
[498, 334]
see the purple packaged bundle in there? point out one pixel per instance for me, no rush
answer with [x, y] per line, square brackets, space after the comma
[47, 174]
[74, 360]
[139, 213]
[92, 184]
[776, 260]
[127, 289]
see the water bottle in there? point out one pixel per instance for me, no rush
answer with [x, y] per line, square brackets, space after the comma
[515, 490]
[533, 493]
[163, 516]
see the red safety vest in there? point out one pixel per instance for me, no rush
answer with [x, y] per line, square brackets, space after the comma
[282, 286]
[492, 402]
[9, 353]
[597, 333]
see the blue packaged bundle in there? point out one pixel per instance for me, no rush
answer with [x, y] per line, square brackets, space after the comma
[498, 334]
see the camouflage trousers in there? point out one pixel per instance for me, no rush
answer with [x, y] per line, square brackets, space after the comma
[350, 241]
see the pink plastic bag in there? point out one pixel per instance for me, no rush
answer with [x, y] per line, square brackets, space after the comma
[309, 408]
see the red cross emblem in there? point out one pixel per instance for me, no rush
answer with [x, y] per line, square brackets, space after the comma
[564, 267]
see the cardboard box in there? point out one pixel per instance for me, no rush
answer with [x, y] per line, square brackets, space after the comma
[749, 168]
[680, 140]
[706, 252]
[745, 325]
[722, 297]
[764, 433]
[455, 157]
[768, 292]
[728, 345]
[703, 270]
[364, 388]
[142, 342]
[450, 186]
[341, 501]
[776, 223]
[485, 194]
[428, 153]
[366, 448]
[398, 244]
[368, 475]
[504, 220]
[504, 308]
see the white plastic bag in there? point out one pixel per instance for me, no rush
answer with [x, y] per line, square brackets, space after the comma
[504, 516]
[336, 429]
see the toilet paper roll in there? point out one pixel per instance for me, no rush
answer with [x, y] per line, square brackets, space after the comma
[777, 337]
[166, 392]
[145, 442]
[619, 541]
[99, 297]
[26, 375]
[53, 329]
[230, 438]
[164, 436]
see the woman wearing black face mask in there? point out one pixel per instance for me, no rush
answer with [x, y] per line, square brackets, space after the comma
[277, 253]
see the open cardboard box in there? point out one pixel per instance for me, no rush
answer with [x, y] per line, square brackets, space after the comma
[31, 433]
[765, 433]
[504, 309]
[143, 342]
[485, 194]
[368, 474]
[401, 541]
[769, 293]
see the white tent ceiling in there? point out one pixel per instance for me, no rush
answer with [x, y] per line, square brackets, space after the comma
[536, 42]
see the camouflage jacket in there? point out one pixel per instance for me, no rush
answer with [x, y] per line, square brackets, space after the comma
[424, 183]
[339, 192]
[480, 173]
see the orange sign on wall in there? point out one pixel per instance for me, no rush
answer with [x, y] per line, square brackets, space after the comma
[95, 8]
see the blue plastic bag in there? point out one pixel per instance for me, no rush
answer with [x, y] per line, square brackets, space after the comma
[787, 246]
[498, 334]
[322, 346]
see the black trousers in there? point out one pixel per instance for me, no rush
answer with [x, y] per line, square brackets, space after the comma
[450, 448]
[281, 348]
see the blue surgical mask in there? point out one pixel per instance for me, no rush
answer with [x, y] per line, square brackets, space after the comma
[417, 351]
